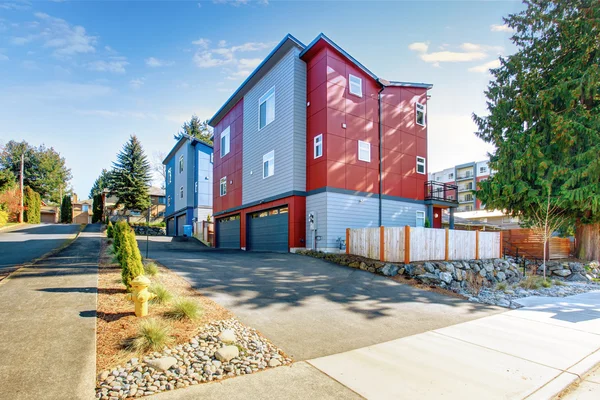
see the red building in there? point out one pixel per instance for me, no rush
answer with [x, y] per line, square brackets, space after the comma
[313, 143]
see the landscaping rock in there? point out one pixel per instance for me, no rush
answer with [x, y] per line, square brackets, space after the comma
[162, 364]
[227, 336]
[390, 270]
[446, 277]
[274, 363]
[562, 272]
[227, 353]
[429, 279]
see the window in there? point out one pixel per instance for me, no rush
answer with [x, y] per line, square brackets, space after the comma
[223, 186]
[161, 200]
[266, 108]
[355, 85]
[437, 178]
[451, 176]
[421, 218]
[482, 170]
[181, 164]
[225, 142]
[318, 146]
[195, 187]
[420, 165]
[84, 208]
[269, 164]
[181, 192]
[169, 176]
[468, 197]
[420, 111]
[364, 151]
[169, 200]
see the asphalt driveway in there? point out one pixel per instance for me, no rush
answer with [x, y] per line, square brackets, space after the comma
[310, 307]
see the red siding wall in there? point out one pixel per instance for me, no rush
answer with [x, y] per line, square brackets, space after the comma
[296, 219]
[230, 165]
[332, 105]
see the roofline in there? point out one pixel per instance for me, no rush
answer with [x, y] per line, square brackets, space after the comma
[175, 148]
[195, 141]
[287, 37]
[361, 66]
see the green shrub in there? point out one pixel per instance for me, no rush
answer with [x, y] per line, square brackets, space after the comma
[150, 269]
[3, 217]
[163, 296]
[109, 230]
[501, 286]
[558, 283]
[153, 335]
[130, 258]
[535, 282]
[119, 231]
[184, 308]
[33, 206]
[546, 283]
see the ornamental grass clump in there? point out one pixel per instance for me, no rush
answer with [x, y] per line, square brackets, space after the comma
[150, 269]
[184, 308]
[152, 335]
[163, 295]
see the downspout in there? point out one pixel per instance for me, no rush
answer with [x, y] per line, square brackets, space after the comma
[383, 84]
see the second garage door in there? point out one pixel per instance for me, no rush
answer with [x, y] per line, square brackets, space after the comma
[180, 224]
[268, 230]
[171, 227]
[228, 232]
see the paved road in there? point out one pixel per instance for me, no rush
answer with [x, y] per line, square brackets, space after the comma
[30, 242]
[48, 328]
[309, 307]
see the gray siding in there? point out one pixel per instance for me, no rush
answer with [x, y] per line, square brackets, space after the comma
[337, 211]
[200, 213]
[183, 179]
[286, 135]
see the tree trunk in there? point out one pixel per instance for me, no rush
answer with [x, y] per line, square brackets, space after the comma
[587, 243]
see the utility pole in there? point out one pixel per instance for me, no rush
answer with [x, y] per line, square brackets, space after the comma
[21, 184]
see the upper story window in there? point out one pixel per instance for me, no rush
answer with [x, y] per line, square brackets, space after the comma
[269, 164]
[451, 176]
[421, 165]
[355, 85]
[266, 108]
[482, 170]
[225, 142]
[420, 222]
[161, 200]
[84, 208]
[223, 186]
[181, 164]
[318, 146]
[169, 176]
[181, 192]
[421, 112]
[364, 151]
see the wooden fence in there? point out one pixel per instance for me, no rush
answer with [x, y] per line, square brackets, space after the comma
[529, 244]
[406, 244]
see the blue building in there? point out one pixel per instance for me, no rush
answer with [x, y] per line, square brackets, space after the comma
[189, 177]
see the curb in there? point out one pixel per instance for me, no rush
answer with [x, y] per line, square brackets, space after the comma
[52, 252]
[12, 227]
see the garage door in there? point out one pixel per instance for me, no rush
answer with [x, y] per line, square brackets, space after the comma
[180, 224]
[268, 230]
[171, 227]
[228, 232]
[48, 218]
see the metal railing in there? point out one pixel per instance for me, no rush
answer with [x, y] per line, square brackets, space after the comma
[441, 192]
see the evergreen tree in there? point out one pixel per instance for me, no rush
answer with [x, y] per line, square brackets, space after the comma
[33, 205]
[100, 183]
[66, 210]
[196, 128]
[544, 117]
[130, 177]
[97, 208]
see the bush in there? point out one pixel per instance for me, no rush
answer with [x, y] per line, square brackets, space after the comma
[184, 308]
[150, 269]
[119, 231]
[109, 230]
[153, 335]
[163, 296]
[3, 217]
[33, 206]
[535, 282]
[501, 286]
[130, 258]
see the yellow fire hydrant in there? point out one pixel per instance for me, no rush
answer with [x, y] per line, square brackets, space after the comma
[140, 295]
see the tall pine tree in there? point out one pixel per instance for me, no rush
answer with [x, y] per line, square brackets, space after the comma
[66, 210]
[131, 177]
[544, 117]
[100, 183]
[196, 128]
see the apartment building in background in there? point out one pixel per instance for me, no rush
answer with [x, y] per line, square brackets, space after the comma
[313, 143]
[188, 184]
[465, 177]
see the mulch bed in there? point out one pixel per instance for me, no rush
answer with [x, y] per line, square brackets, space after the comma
[117, 322]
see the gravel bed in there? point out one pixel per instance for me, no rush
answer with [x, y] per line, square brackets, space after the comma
[222, 349]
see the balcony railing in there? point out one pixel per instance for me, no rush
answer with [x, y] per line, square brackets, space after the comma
[441, 192]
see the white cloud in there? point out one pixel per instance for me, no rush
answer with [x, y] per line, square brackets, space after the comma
[157, 63]
[485, 67]
[481, 47]
[31, 65]
[222, 43]
[65, 39]
[3, 57]
[420, 47]
[224, 56]
[452, 56]
[59, 91]
[501, 28]
[22, 40]
[235, 3]
[137, 83]
[116, 114]
[204, 43]
[249, 63]
[15, 5]
[114, 66]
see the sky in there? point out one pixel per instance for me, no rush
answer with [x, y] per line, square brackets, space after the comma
[82, 76]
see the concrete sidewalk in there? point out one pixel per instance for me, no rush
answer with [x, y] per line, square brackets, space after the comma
[588, 389]
[532, 353]
[48, 325]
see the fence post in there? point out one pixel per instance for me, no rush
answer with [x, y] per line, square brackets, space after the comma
[381, 243]
[347, 240]
[407, 244]
[447, 250]
[477, 245]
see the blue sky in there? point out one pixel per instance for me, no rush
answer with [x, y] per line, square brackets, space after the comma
[81, 76]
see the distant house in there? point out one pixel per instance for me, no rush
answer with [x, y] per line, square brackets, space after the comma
[49, 213]
[82, 210]
[189, 184]
[157, 207]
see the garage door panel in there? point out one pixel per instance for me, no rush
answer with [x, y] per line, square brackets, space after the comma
[180, 224]
[228, 233]
[171, 226]
[268, 231]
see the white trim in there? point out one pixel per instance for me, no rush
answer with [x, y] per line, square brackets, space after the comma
[351, 84]
[423, 109]
[318, 143]
[421, 161]
[225, 147]
[265, 98]
[420, 215]
[366, 146]
[169, 176]
[269, 159]
[223, 186]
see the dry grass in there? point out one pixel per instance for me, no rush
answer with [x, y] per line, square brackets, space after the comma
[183, 308]
[116, 321]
